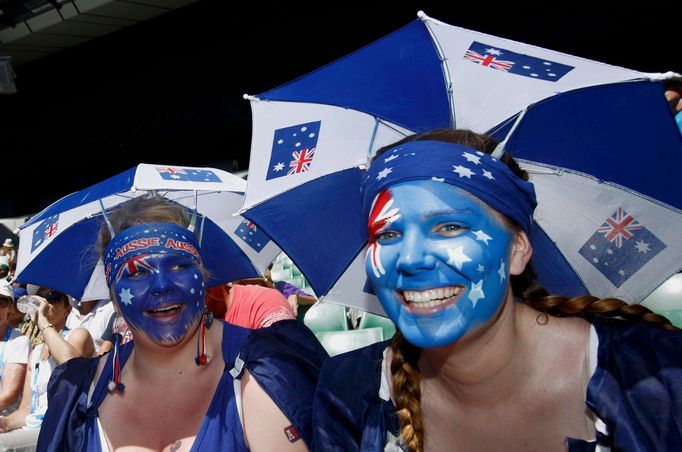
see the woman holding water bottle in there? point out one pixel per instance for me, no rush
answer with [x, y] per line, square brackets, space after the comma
[60, 344]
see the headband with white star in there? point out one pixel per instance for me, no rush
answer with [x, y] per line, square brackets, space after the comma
[478, 173]
[148, 238]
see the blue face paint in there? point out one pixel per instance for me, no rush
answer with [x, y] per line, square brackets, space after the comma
[161, 295]
[438, 260]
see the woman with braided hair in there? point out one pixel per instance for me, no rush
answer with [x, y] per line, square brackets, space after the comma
[484, 358]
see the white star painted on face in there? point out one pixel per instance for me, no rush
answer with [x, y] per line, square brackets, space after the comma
[476, 292]
[493, 51]
[391, 157]
[488, 175]
[383, 174]
[480, 268]
[502, 271]
[462, 171]
[126, 297]
[642, 247]
[476, 160]
[279, 167]
[457, 257]
[482, 237]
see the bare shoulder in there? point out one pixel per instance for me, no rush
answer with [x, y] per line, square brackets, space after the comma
[265, 426]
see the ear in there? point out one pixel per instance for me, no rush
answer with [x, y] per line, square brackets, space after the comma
[521, 253]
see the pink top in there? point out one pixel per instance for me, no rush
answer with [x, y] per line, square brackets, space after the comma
[257, 307]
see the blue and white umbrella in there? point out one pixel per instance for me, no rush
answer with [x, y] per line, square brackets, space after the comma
[57, 246]
[598, 137]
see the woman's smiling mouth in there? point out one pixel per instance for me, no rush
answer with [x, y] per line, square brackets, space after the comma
[431, 300]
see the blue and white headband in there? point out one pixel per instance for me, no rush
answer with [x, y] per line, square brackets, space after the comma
[147, 238]
[478, 173]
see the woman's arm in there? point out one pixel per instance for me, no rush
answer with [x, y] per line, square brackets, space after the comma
[17, 419]
[79, 344]
[265, 426]
[13, 376]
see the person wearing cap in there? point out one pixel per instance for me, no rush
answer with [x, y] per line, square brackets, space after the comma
[14, 351]
[60, 344]
[8, 254]
[485, 358]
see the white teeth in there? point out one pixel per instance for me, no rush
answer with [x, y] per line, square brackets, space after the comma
[166, 309]
[431, 297]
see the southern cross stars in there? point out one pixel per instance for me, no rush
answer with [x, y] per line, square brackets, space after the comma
[384, 173]
[126, 296]
[462, 171]
[457, 257]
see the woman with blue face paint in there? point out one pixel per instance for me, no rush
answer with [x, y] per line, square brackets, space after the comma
[484, 358]
[186, 381]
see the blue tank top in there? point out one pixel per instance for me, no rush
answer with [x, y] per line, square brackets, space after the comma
[222, 412]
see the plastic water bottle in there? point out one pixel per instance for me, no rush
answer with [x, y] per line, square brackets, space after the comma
[28, 304]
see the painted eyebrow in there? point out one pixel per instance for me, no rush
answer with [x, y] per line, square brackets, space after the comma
[438, 213]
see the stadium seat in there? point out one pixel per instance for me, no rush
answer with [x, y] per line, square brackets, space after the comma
[326, 317]
[336, 342]
[370, 320]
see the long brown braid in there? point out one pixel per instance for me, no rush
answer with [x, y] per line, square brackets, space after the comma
[405, 360]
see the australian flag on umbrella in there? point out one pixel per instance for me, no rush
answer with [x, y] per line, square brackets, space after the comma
[252, 235]
[45, 231]
[187, 174]
[515, 63]
[293, 150]
[620, 247]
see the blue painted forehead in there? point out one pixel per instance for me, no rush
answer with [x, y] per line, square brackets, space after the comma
[478, 173]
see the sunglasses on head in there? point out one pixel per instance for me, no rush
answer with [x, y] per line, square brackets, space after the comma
[53, 296]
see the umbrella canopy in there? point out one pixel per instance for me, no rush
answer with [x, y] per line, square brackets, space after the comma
[313, 137]
[57, 246]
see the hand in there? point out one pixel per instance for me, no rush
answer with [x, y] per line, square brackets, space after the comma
[3, 424]
[40, 316]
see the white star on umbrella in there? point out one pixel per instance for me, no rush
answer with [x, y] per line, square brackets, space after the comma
[488, 175]
[482, 237]
[476, 160]
[462, 171]
[457, 257]
[502, 271]
[279, 167]
[642, 246]
[392, 157]
[384, 173]
[476, 292]
[126, 296]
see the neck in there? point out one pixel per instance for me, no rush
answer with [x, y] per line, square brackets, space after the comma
[151, 361]
[483, 367]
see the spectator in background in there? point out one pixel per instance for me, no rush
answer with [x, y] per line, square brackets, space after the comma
[96, 316]
[14, 351]
[299, 300]
[15, 318]
[248, 305]
[673, 94]
[8, 254]
[21, 428]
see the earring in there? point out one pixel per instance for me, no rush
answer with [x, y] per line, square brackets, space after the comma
[115, 383]
[206, 322]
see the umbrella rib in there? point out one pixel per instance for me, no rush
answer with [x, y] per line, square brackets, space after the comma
[444, 67]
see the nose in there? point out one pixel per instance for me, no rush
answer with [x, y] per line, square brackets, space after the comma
[160, 284]
[414, 254]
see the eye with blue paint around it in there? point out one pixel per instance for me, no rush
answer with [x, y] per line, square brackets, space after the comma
[449, 229]
[387, 236]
